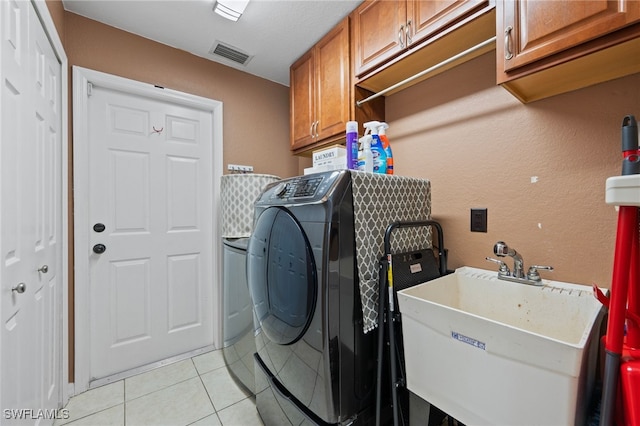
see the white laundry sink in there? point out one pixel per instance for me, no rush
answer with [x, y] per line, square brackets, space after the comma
[494, 352]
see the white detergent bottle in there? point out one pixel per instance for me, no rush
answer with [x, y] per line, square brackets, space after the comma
[365, 156]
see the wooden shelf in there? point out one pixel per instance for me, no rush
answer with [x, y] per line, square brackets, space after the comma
[474, 30]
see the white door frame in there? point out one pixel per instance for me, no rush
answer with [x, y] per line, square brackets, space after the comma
[42, 10]
[81, 79]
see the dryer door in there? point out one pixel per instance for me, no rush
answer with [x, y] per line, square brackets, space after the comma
[281, 274]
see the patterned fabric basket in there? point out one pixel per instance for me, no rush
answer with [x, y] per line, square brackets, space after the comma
[378, 201]
[238, 194]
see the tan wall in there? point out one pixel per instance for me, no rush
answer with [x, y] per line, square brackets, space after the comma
[56, 9]
[480, 147]
[256, 111]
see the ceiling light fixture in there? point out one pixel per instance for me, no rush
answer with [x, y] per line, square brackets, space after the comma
[230, 9]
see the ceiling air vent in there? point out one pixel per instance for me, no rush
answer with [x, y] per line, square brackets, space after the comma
[229, 52]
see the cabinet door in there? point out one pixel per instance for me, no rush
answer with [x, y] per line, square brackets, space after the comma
[529, 30]
[332, 82]
[301, 99]
[428, 17]
[379, 33]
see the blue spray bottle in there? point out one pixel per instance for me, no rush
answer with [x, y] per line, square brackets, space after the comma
[382, 133]
[379, 155]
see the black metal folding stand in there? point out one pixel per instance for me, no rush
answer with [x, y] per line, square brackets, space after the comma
[405, 277]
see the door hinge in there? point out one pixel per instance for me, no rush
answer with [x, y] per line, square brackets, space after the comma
[89, 89]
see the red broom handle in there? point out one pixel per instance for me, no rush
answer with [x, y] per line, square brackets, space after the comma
[633, 293]
[627, 228]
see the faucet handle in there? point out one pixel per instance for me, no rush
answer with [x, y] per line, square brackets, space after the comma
[533, 274]
[504, 269]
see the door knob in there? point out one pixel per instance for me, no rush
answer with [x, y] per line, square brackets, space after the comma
[44, 269]
[99, 248]
[99, 227]
[20, 288]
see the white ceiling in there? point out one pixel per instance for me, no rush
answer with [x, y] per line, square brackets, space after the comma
[274, 32]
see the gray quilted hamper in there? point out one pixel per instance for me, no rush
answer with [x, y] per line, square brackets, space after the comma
[238, 194]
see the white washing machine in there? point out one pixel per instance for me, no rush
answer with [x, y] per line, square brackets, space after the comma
[239, 327]
[238, 195]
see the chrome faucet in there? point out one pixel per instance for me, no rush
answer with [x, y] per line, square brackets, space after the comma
[501, 249]
[532, 277]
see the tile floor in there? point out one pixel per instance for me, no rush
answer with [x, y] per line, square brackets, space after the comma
[198, 391]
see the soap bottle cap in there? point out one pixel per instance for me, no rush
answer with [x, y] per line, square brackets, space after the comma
[352, 127]
[365, 142]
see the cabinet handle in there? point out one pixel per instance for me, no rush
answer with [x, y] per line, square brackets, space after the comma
[508, 54]
[316, 129]
[407, 33]
[311, 128]
[400, 36]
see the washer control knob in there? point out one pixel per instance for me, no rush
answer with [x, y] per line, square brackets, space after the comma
[281, 189]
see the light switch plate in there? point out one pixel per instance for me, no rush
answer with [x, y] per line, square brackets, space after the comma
[478, 220]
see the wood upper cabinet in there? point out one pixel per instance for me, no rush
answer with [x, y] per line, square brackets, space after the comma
[426, 18]
[384, 29]
[333, 82]
[320, 90]
[529, 30]
[379, 33]
[302, 101]
[545, 48]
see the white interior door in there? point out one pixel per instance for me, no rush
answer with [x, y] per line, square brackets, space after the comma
[31, 219]
[150, 209]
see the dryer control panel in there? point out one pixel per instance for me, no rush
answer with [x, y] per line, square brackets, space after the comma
[301, 188]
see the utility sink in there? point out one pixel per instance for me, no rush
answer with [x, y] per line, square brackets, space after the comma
[493, 352]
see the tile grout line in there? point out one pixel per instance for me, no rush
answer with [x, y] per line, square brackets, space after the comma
[93, 412]
[160, 389]
[90, 414]
[164, 387]
[125, 401]
[124, 406]
[215, 411]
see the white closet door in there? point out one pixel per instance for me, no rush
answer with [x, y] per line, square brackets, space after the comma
[30, 218]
